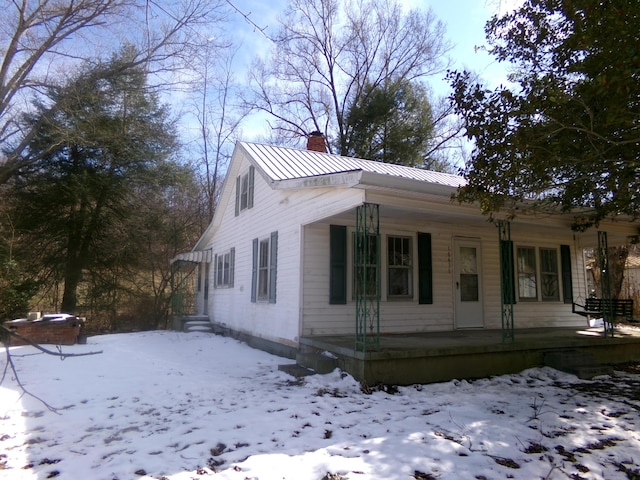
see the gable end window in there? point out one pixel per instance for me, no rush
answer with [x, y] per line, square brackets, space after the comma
[244, 191]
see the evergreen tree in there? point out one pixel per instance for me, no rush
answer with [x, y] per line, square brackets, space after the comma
[101, 140]
[391, 123]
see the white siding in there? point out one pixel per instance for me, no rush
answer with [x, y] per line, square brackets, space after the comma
[274, 210]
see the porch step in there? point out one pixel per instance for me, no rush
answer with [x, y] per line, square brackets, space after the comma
[197, 326]
[295, 370]
[317, 362]
[581, 364]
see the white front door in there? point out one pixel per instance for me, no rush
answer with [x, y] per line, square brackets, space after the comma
[467, 287]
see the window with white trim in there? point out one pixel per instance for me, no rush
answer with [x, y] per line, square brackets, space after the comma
[244, 191]
[549, 279]
[264, 270]
[538, 274]
[399, 267]
[224, 264]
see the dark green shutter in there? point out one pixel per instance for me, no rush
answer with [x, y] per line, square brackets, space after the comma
[254, 271]
[567, 282]
[425, 269]
[508, 274]
[215, 271]
[232, 265]
[273, 264]
[237, 196]
[337, 264]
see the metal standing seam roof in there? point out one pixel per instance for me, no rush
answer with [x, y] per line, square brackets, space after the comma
[283, 163]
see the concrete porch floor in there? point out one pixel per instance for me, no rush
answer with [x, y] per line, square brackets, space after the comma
[465, 354]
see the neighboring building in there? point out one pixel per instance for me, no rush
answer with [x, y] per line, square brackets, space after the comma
[294, 228]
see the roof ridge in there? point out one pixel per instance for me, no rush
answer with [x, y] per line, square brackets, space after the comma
[286, 163]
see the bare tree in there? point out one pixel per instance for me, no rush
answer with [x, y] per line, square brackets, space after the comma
[218, 116]
[326, 52]
[39, 39]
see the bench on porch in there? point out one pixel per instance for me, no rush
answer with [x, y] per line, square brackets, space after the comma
[594, 307]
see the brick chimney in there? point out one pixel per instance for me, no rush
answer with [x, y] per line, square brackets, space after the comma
[315, 142]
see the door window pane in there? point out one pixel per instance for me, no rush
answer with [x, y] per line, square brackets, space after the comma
[469, 274]
[469, 288]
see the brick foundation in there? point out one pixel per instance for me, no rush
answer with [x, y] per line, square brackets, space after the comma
[45, 331]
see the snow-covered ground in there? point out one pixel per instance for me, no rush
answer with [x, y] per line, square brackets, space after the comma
[170, 405]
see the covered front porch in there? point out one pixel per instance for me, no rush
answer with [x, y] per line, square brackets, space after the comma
[404, 359]
[463, 268]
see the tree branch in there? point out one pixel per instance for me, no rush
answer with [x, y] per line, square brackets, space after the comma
[10, 363]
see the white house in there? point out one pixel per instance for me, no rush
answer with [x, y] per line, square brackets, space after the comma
[306, 244]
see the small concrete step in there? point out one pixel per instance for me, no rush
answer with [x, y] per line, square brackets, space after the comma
[197, 326]
[295, 370]
[587, 372]
[581, 364]
[317, 362]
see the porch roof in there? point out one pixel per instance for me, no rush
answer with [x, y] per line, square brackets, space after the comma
[194, 256]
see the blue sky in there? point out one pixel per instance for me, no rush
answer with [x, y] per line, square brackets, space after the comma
[464, 20]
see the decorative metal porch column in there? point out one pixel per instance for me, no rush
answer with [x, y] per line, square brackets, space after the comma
[507, 284]
[367, 277]
[605, 284]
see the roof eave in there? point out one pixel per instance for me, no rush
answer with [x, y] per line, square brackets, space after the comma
[405, 184]
[343, 179]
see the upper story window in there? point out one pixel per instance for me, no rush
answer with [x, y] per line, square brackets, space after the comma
[244, 191]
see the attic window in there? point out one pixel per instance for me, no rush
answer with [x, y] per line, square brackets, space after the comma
[244, 191]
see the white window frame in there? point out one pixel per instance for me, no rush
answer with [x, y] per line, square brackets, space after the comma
[406, 265]
[553, 275]
[264, 268]
[538, 276]
[224, 266]
[245, 190]
[264, 262]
